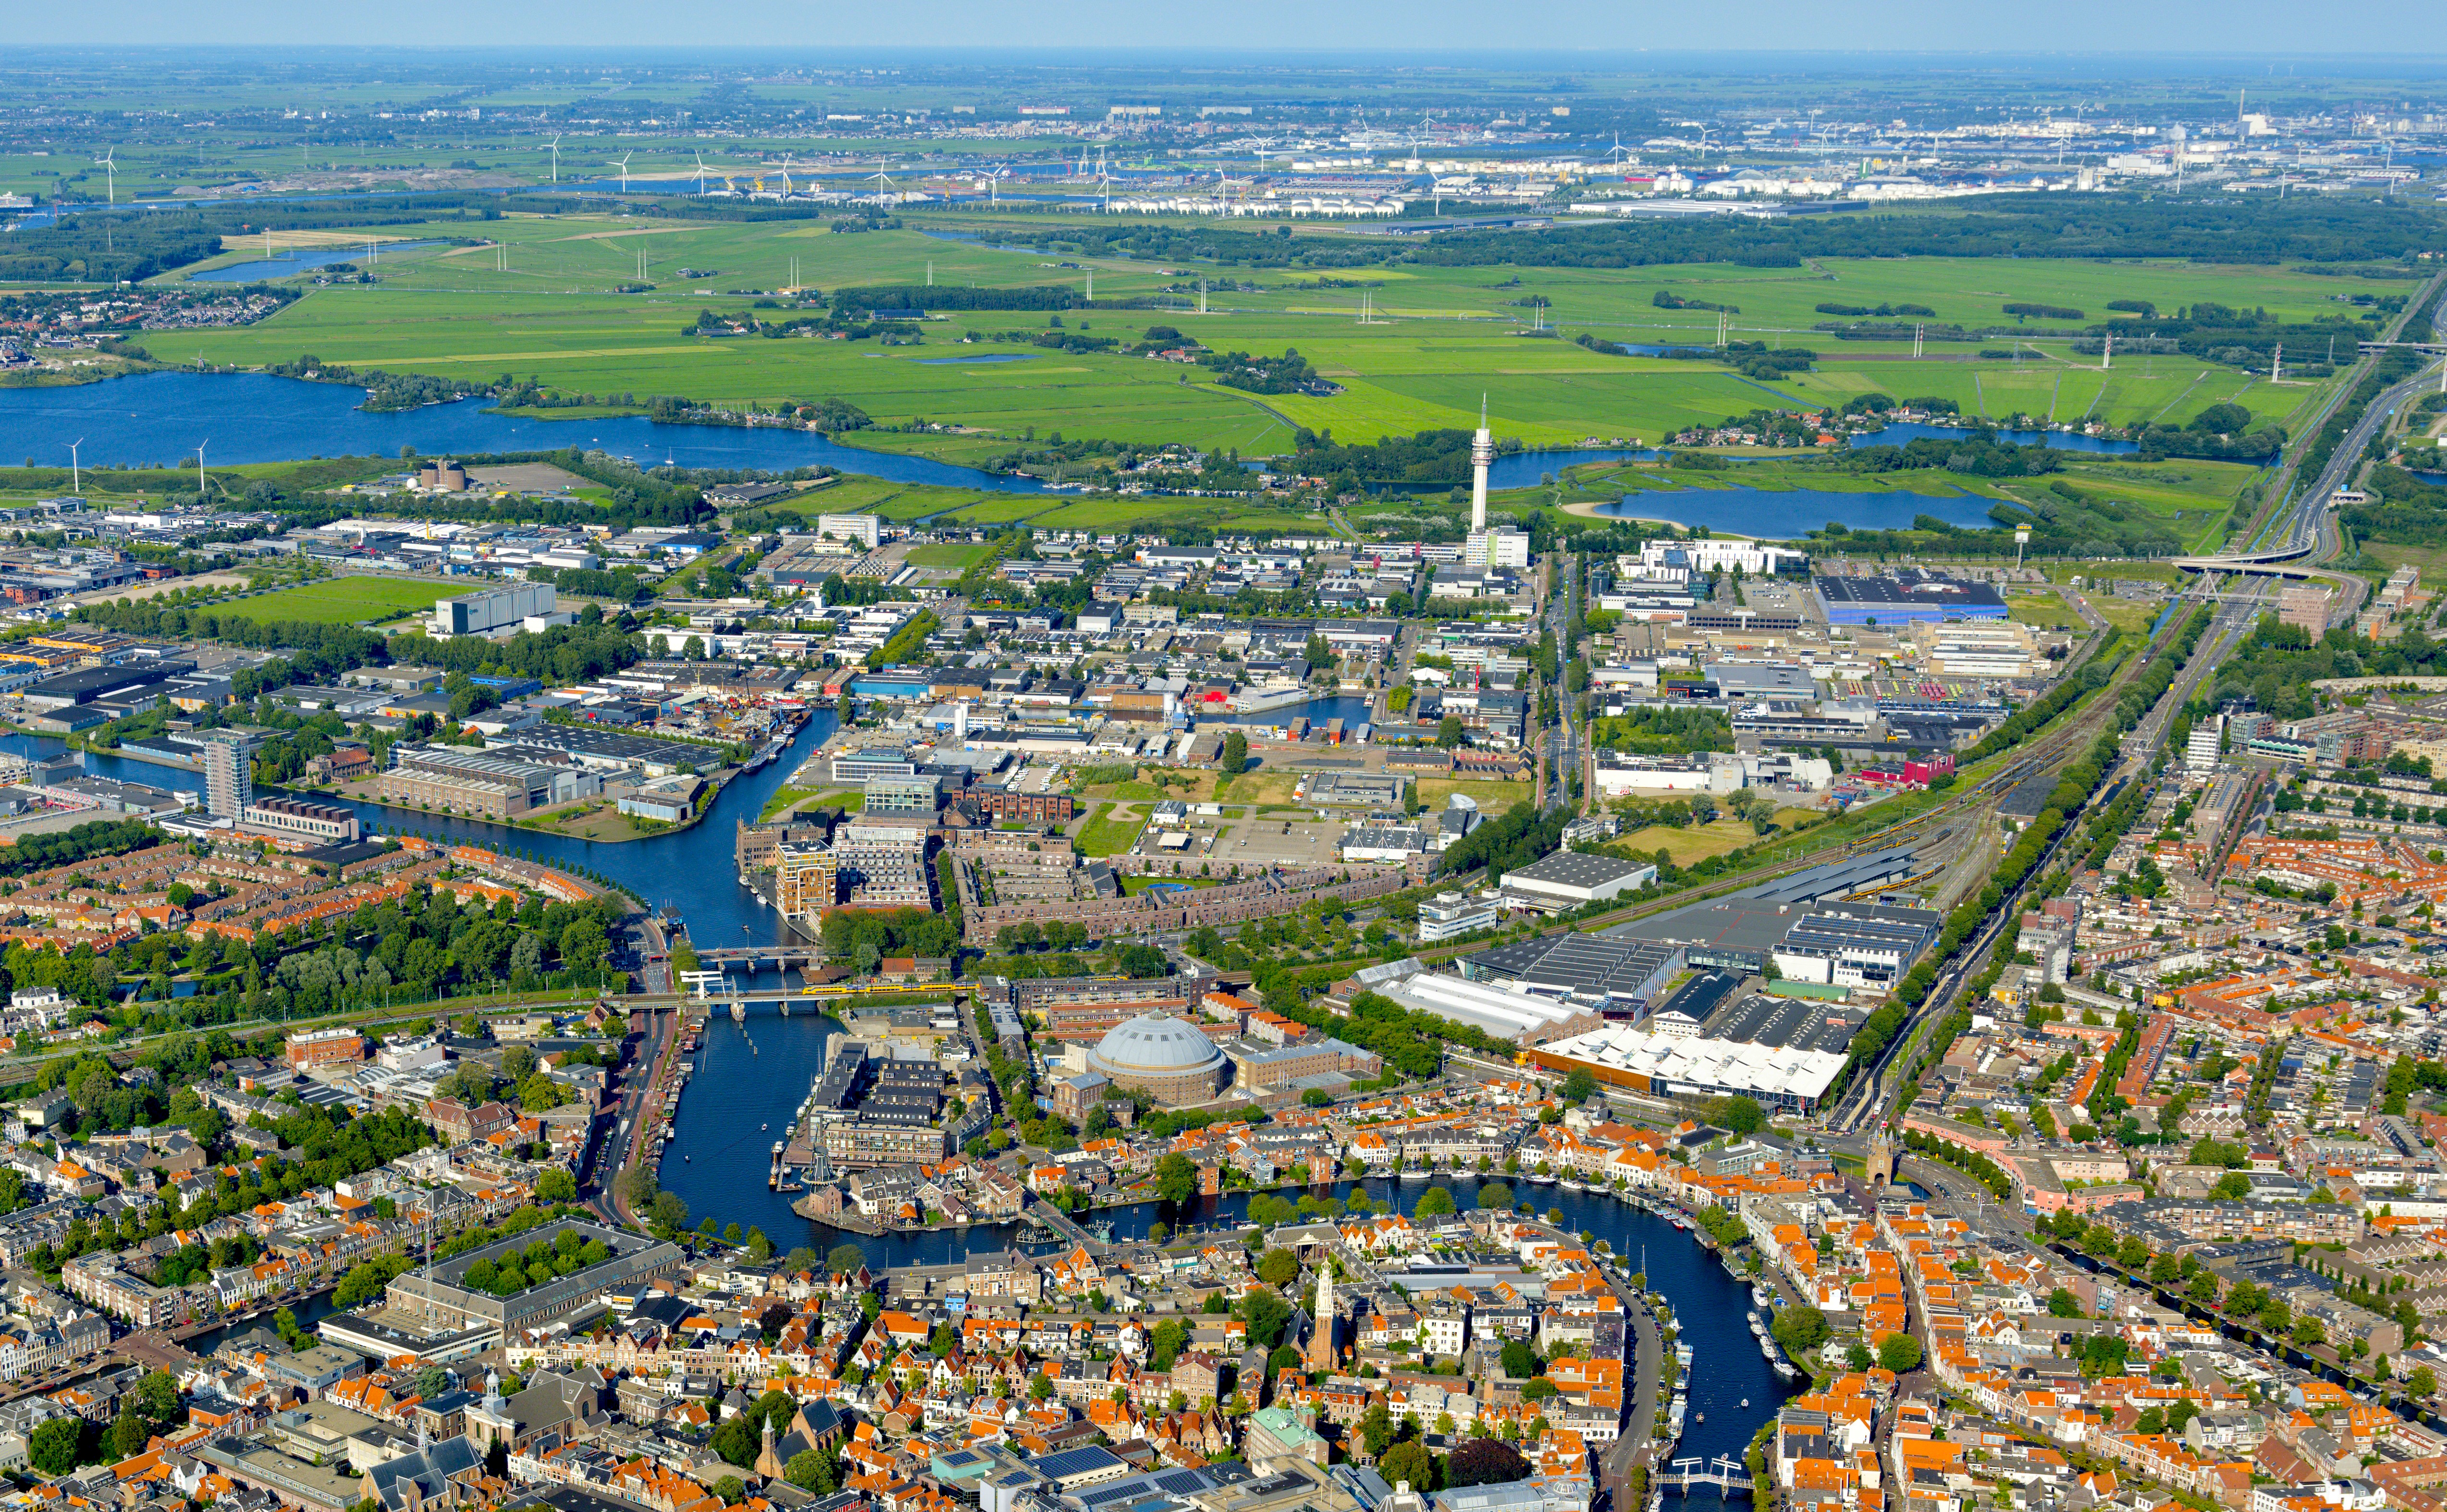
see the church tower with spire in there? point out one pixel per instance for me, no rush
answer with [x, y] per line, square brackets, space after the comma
[1320, 1339]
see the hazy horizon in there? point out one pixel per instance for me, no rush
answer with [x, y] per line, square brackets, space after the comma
[2260, 30]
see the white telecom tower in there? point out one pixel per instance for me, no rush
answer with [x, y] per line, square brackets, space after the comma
[1482, 453]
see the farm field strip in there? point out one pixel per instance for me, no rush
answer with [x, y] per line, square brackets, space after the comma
[554, 317]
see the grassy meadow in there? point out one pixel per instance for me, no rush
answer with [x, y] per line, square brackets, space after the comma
[338, 601]
[1443, 337]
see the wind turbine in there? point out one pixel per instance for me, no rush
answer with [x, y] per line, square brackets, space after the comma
[109, 172]
[204, 482]
[76, 477]
[622, 162]
[1618, 147]
[785, 175]
[880, 175]
[555, 145]
[700, 171]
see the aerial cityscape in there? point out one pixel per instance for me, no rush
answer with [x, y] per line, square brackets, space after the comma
[1178, 778]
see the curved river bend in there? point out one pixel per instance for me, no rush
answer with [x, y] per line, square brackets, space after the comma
[716, 1160]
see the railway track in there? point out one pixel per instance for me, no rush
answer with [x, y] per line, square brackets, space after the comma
[2231, 619]
[2052, 747]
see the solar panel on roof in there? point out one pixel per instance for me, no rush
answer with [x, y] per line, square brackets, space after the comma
[1182, 1483]
[1076, 1462]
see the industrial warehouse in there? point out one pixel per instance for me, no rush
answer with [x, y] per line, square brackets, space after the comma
[1657, 1064]
[1916, 595]
[1757, 993]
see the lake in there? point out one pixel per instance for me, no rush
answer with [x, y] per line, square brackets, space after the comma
[159, 418]
[296, 260]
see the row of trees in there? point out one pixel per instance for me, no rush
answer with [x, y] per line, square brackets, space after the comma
[2242, 1300]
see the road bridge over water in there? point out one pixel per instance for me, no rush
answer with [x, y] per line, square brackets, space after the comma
[1062, 1223]
[758, 957]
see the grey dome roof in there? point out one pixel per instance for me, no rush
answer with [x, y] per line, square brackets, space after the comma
[1155, 1042]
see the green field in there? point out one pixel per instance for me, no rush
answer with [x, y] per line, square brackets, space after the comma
[2042, 609]
[1104, 835]
[1444, 337]
[338, 601]
[957, 558]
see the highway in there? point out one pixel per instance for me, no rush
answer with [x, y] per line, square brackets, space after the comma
[2309, 534]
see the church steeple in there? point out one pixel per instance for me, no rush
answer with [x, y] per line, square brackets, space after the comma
[1320, 1339]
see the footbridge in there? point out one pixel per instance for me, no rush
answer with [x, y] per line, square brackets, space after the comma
[1730, 1476]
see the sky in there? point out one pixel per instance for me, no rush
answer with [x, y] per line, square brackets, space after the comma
[2261, 28]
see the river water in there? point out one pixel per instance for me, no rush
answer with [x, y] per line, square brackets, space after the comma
[1788, 514]
[690, 871]
[158, 420]
[753, 1076]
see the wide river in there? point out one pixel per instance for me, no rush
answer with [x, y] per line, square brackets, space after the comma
[158, 420]
[741, 1095]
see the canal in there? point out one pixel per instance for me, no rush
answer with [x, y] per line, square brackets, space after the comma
[752, 1077]
[690, 871]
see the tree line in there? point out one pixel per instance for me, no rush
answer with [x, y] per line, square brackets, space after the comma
[2214, 230]
[1431, 457]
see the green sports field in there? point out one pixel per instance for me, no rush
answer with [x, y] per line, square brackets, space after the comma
[543, 304]
[338, 601]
